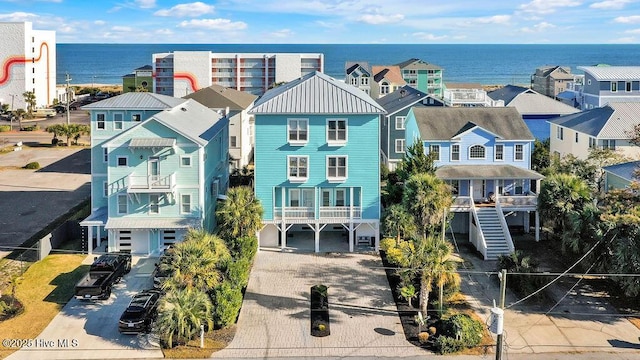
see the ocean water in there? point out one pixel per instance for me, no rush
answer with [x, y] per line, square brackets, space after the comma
[485, 64]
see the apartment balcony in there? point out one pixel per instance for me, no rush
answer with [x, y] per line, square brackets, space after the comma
[301, 214]
[151, 184]
[518, 202]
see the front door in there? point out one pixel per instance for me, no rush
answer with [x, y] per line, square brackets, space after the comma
[478, 190]
[154, 168]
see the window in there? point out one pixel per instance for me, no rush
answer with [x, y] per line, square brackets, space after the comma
[122, 204]
[364, 80]
[298, 168]
[588, 81]
[499, 152]
[560, 133]
[105, 189]
[399, 145]
[400, 122]
[185, 161]
[117, 121]
[100, 121]
[476, 152]
[337, 167]
[576, 136]
[154, 204]
[122, 161]
[614, 86]
[336, 131]
[455, 187]
[302, 197]
[185, 203]
[135, 117]
[298, 131]
[435, 150]
[354, 81]
[609, 144]
[519, 187]
[215, 189]
[519, 152]
[105, 155]
[340, 197]
[455, 152]
[233, 141]
[592, 142]
[384, 88]
[628, 86]
[294, 197]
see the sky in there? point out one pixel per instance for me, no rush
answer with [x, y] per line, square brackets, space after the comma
[332, 21]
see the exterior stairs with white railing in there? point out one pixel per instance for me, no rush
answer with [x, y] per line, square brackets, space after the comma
[493, 232]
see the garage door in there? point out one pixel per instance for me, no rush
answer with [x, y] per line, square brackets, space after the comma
[170, 237]
[135, 242]
[124, 240]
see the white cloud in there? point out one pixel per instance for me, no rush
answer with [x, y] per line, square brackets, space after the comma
[18, 17]
[66, 29]
[496, 19]
[214, 24]
[610, 4]
[146, 4]
[284, 33]
[122, 29]
[624, 40]
[547, 6]
[633, 19]
[632, 31]
[187, 10]
[330, 25]
[540, 27]
[100, 22]
[428, 36]
[163, 32]
[379, 19]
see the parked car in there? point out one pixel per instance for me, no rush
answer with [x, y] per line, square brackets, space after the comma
[140, 313]
[105, 271]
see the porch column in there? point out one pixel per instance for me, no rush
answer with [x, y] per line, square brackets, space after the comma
[471, 189]
[90, 239]
[283, 236]
[350, 237]
[470, 222]
[527, 222]
[377, 232]
[316, 230]
[537, 226]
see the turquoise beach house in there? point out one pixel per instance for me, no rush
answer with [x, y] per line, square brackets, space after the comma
[484, 154]
[158, 166]
[317, 165]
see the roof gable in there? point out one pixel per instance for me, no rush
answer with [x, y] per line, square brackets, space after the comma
[136, 101]
[417, 64]
[506, 93]
[360, 67]
[220, 97]
[316, 93]
[612, 121]
[588, 122]
[533, 103]
[401, 99]
[392, 73]
[471, 127]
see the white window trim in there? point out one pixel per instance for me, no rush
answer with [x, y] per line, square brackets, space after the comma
[346, 132]
[451, 152]
[612, 85]
[182, 203]
[297, 179]
[126, 158]
[515, 152]
[439, 148]
[477, 158]
[495, 152]
[185, 157]
[121, 121]
[157, 205]
[126, 201]
[103, 121]
[298, 142]
[403, 118]
[332, 179]
[403, 146]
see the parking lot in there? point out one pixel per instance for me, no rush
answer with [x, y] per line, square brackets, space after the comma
[93, 325]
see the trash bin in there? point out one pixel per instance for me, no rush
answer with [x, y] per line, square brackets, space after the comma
[373, 241]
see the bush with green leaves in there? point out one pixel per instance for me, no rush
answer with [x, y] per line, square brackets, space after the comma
[387, 243]
[238, 272]
[463, 328]
[448, 345]
[517, 263]
[5, 128]
[243, 247]
[396, 255]
[34, 165]
[228, 301]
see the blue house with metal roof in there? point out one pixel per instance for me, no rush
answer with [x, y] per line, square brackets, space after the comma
[620, 176]
[155, 173]
[317, 165]
[605, 84]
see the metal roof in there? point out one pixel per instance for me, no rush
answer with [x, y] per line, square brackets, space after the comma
[97, 217]
[316, 93]
[534, 103]
[136, 101]
[612, 121]
[608, 73]
[507, 93]
[401, 98]
[444, 123]
[460, 172]
[152, 223]
[151, 142]
[220, 97]
[624, 170]
[417, 64]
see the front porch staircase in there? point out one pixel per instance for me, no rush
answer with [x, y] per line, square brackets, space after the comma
[493, 232]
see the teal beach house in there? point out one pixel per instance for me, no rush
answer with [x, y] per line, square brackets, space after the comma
[317, 165]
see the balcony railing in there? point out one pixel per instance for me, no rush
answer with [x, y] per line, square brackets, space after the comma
[151, 183]
[461, 203]
[326, 212]
[518, 201]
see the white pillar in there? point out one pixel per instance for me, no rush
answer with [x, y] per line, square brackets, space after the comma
[316, 230]
[377, 232]
[537, 226]
[89, 239]
[283, 236]
[350, 237]
[527, 221]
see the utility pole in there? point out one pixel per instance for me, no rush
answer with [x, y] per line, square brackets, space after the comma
[67, 80]
[503, 294]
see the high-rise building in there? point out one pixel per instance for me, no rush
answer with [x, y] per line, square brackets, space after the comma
[29, 64]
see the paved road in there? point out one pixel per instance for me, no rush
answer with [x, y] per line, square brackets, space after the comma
[94, 324]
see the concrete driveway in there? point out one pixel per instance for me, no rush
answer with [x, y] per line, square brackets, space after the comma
[94, 324]
[274, 320]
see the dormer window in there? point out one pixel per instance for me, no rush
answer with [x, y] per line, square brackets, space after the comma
[477, 152]
[364, 80]
[384, 88]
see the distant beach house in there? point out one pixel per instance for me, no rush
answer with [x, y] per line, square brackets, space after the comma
[535, 108]
[606, 84]
[386, 79]
[467, 95]
[358, 74]
[317, 168]
[158, 164]
[607, 127]
[183, 72]
[551, 80]
[423, 76]
[620, 176]
[485, 155]
[232, 104]
[140, 78]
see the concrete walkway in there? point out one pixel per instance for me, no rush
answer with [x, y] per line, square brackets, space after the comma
[274, 320]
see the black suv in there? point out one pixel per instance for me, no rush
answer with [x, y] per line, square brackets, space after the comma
[140, 314]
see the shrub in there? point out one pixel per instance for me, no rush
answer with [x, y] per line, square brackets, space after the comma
[448, 345]
[464, 328]
[423, 337]
[521, 284]
[432, 330]
[5, 128]
[32, 165]
[387, 243]
[227, 300]
[238, 272]
[31, 128]
[396, 255]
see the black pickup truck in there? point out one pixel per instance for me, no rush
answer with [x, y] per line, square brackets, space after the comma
[105, 271]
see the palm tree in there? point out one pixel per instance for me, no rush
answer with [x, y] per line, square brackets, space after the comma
[560, 194]
[397, 222]
[414, 161]
[69, 131]
[240, 214]
[428, 199]
[30, 100]
[432, 260]
[181, 313]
